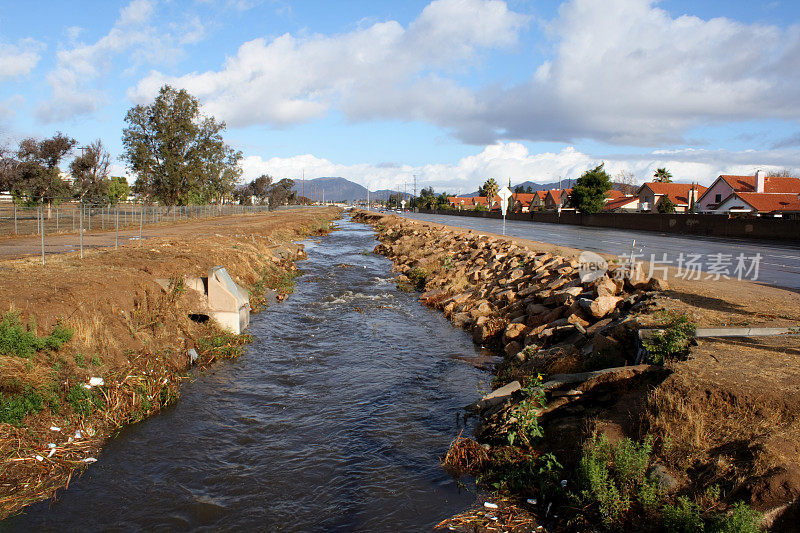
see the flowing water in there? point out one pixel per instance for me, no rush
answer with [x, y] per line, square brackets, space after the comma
[333, 420]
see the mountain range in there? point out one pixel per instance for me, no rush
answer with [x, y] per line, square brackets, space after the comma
[337, 189]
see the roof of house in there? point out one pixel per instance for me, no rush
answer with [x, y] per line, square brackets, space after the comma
[769, 202]
[772, 184]
[556, 193]
[525, 198]
[614, 194]
[677, 192]
[618, 203]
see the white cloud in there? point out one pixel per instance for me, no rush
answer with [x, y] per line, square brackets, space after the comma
[19, 59]
[513, 160]
[133, 36]
[625, 71]
[619, 71]
[380, 71]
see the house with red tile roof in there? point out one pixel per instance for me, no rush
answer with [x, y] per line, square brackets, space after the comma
[522, 202]
[557, 198]
[651, 194]
[725, 185]
[537, 204]
[619, 201]
[467, 202]
[774, 204]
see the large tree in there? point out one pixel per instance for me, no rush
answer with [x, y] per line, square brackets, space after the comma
[90, 174]
[489, 190]
[32, 173]
[662, 175]
[281, 193]
[177, 154]
[260, 187]
[589, 192]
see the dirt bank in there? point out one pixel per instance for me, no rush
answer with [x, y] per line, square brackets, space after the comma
[708, 430]
[107, 317]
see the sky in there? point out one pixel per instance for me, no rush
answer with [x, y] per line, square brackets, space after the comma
[450, 91]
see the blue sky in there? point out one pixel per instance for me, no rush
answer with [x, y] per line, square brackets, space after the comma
[453, 91]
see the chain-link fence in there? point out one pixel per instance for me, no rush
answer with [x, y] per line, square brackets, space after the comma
[80, 218]
[71, 217]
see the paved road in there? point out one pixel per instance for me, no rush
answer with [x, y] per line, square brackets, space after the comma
[779, 264]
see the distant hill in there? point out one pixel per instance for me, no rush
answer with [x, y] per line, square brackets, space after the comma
[339, 189]
[336, 189]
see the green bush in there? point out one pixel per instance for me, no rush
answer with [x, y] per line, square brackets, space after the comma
[417, 276]
[84, 401]
[612, 475]
[14, 408]
[742, 519]
[15, 339]
[671, 341]
[525, 427]
[683, 517]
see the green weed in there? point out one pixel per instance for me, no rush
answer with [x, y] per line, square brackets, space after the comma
[84, 401]
[417, 276]
[17, 340]
[671, 341]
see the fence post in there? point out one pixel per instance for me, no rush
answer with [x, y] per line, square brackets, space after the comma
[57, 209]
[15, 218]
[81, 229]
[89, 212]
[102, 218]
[116, 218]
[141, 223]
[42, 216]
[73, 220]
[38, 222]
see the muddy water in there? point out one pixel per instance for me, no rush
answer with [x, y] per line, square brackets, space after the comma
[332, 420]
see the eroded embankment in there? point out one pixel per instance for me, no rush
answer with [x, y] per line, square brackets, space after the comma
[107, 317]
[580, 436]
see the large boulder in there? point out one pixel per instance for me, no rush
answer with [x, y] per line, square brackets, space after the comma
[604, 305]
[515, 331]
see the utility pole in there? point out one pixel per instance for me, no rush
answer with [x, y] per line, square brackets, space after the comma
[415, 185]
[304, 185]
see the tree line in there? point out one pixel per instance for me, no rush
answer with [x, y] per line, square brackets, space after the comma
[177, 155]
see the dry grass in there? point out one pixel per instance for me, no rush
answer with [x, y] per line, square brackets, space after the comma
[17, 373]
[717, 437]
[465, 456]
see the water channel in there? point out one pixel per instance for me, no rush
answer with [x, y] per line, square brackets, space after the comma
[333, 420]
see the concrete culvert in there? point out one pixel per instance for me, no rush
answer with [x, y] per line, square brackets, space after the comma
[200, 318]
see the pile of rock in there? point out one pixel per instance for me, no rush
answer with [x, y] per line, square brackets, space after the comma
[534, 305]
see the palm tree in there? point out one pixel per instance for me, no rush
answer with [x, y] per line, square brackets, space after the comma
[489, 190]
[663, 175]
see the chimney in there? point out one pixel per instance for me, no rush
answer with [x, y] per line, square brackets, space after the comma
[760, 177]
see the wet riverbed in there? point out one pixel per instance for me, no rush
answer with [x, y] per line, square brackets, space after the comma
[333, 420]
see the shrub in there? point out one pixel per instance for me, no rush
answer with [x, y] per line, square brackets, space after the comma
[683, 517]
[671, 341]
[15, 407]
[524, 426]
[611, 475]
[742, 519]
[17, 340]
[84, 401]
[417, 276]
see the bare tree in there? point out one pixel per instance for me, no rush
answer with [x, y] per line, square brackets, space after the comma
[783, 173]
[625, 182]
